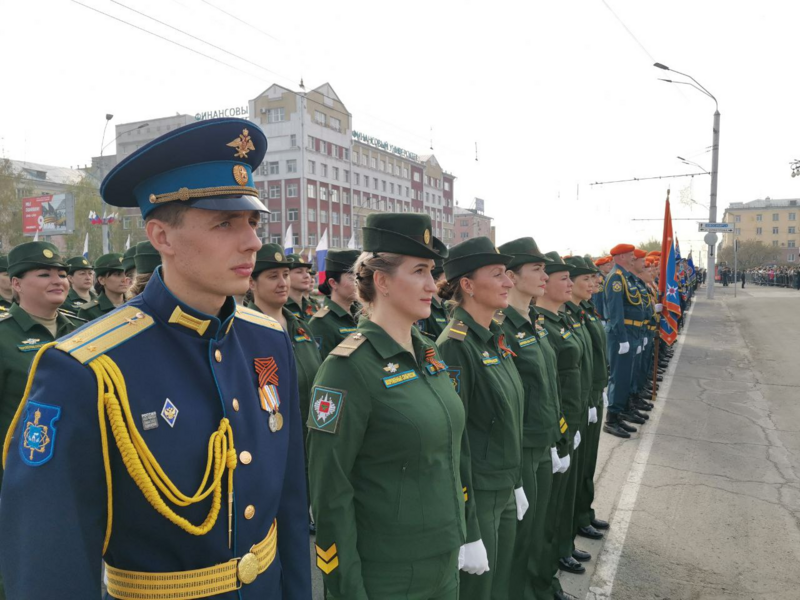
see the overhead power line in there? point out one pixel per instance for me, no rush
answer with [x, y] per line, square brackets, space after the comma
[647, 178]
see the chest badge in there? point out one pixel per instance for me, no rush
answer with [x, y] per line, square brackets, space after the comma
[434, 366]
[521, 335]
[391, 368]
[169, 412]
[267, 371]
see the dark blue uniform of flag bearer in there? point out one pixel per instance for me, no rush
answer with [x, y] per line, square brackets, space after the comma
[162, 440]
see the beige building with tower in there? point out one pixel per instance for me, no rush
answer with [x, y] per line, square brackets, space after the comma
[772, 222]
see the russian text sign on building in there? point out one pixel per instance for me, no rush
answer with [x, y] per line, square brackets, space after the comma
[718, 227]
[376, 143]
[49, 215]
[238, 111]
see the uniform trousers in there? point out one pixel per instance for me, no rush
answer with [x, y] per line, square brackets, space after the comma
[584, 513]
[621, 371]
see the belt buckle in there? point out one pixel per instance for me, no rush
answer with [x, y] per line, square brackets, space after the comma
[247, 569]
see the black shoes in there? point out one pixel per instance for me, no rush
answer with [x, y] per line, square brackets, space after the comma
[626, 427]
[616, 429]
[600, 524]
[641, 404]
[570, 565]
[589, 532]
[581, 555]
[629, 417]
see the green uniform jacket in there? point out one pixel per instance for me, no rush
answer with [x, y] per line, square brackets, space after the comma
[96, 308]
[20, 338]
[331, 324]
[74, 303]
[304, 312]
[384, 445]
[569, 354]
[434, 325]
[536, 363]
[577, 316]
[4, 305]
[599, 349]
[485, 377]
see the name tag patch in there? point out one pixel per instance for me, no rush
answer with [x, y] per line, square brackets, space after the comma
[400, 378]
[347, 330]
[490, 361]
[527, 341]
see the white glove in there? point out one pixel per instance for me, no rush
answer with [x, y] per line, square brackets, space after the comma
[555, 459]
[638, 349]
[624, 347]
[564, 464]
[472, 558]
[522, 503]
[645, 342]
[659, 308]
[593, 414]
[605, 398]
[576, 441]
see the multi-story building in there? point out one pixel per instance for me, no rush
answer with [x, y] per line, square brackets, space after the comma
[773, 222]
[320, 175]
[471, 223]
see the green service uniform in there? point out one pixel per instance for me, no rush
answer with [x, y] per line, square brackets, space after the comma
[96, 308]
[304, 312]
[434, 325]
[331, 324]
[75, 303]
[4, 305]
[584, 513]
[536, 363]
[384, 444]
[482, 369]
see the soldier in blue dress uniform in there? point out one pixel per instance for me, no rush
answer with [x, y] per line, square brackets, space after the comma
[174, 453]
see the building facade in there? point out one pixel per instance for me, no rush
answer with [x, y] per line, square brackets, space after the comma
[472, 223]
[772, 222]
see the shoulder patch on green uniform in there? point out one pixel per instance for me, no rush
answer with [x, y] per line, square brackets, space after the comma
[326, 408]
[457, 331]
[499, 317]
[90, 304]
[5, 315]
[321, 312]
[71, 315]
[253, 316]
[349, 345]
[105, 333]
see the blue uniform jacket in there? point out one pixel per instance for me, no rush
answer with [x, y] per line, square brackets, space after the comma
[622, 301]
[53, 508]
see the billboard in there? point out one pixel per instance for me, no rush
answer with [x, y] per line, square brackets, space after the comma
[49, 215]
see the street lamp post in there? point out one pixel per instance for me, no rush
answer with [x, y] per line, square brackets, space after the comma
[712, 208]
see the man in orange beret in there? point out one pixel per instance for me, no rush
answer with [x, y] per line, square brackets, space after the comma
[604, 264]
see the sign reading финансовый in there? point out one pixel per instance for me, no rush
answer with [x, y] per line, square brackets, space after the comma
[239, 111]
[361, 137]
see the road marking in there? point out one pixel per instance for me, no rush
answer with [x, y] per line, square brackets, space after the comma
[608, 562]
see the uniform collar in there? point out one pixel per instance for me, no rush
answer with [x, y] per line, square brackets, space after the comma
[573, 307]
[517, 320]
[548, 314]
[104, 303]
[336, 309]
[384, 344]
[165, 306]
[26, 322]
[484, 334]
[435, 302]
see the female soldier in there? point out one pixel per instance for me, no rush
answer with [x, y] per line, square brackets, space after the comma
[385, 433]
[80, 274]
[483, 372]
[536, 364]
[336, 319]
[435, 324]
[39, 281]
[129, 263]
[300, 284]
[111, 287]
[569, 357]
[146, 259]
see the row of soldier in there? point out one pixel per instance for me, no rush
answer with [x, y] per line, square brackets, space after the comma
[450, 403]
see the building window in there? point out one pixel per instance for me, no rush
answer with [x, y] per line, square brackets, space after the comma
[323, 193]
[275, 216]
[758, 218]
[464, 223]
[126, 222]
[346, 154]
[274, 191]
[291, 214]
[366, 181]
[291, 166]
[345, 197]
[383, 165]
[312, 215]
[792, 229]
[346, 219]
[335, 241]
[758, 230]
[319, 117]
[346, 176]
[774, 230]
[391, 188]
[336, 124]
[291, 190]
[356, 178]
[335, 196]
[427, 197]
[310, 144]
[790, 257]
[793, 216]
[323, 216]
[275, 115]
[274, 168]
[738, 231]
[312, 167]
[416, 176]
[738, 218]
[312, 191]
[384, 185]
[275, 238]
[375, 183]
[334, 217]
[775, 216]
[355, 157]
[447, 187]
[364, 160]
[293, 140]
[791, 243]
[324, 168]
[323, 147]
[405, 173]
[335, 173]
[373, 162]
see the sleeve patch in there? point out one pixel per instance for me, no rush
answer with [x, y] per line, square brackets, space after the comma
[616, 286]
[38, 440]
[326, 409]
[455, 378]
[327, 560]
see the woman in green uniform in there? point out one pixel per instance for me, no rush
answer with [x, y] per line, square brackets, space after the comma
[336, 319]
[569, 357]
[39, 281]
[300, 284]
[536, 363]
[147, 259]
[80, 274]
[111, 287]
[435, 324]
[385, 434]
[481, 365]
[5, 285]
[129, 264]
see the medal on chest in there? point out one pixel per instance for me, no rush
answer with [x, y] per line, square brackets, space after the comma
[267, 371]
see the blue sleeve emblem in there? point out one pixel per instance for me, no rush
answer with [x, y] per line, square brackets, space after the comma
[37, 443]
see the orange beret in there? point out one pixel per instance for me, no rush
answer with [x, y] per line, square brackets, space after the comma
[639, 253]
[603, 260]
[622, 249]
[654, 253]
[648, 261]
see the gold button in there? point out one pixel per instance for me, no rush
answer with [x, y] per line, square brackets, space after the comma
[218, 355]
[245, 457]
[249, 512]
[235, 405]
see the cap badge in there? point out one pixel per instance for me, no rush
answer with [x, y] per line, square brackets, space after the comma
[279, 257]
[240, 174]
[426, 237]
[47, 253]
[85, 262]
[243, 144]
[120, 259]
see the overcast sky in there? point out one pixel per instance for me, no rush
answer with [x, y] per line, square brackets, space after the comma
[557, 95]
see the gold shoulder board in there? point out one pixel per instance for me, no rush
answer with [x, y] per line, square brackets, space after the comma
[321, 312]
[350, 344]
[90, 304]
[499, 317]
[253, 316]
[105, 333]
[4, 316]
[457, 331]
[71, 315]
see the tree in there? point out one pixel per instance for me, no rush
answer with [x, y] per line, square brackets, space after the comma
[650, 245]
[10, 206]
[751, 254]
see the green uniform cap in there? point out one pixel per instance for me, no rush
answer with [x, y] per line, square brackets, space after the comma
[129, 258]
[340, 261]
[107, 263]
[577, 266]
[296, 262]
[524, 250]
[270, 256]
[146, 259]
[438, 267]
[556, 265]
[473, 254]
[3, 263]
[587, 258]
[408, 234]
[33, 255]
[78, 263]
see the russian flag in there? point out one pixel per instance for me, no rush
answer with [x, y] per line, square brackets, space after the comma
[321, 253]
[86, 246]
[288, 243]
